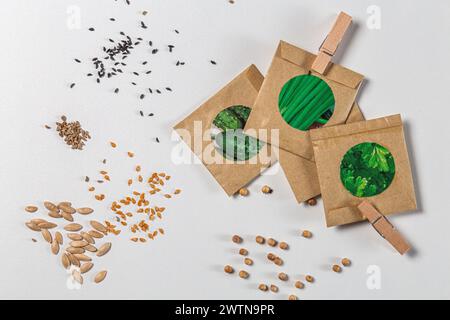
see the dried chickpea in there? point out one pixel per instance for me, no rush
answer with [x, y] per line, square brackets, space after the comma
[309, 278]
[243, 252]
[312, 202]
[306, 234]
[284, 246]
[273, 288]
[266, 190]
[260, 239]
[283, 276]
[243, 192]
[292, 297]
[299, 285]
[236, 239]
[263, 287]
[346, 262]
[272, 242]
[244, 274]
[248, 261]
[228, 269]
[336, 268]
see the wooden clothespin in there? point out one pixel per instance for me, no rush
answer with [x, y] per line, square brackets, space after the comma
[384, 227]
[331, 43]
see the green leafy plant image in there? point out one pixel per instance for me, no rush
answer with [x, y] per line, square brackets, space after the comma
[306, 102]
[367, 169]
[228, 135]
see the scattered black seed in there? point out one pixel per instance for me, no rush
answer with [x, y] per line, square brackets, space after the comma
[77, 60]
[144, 13]
[213, 62]
[133, 83]
[72, 85]
[128, 2]
[91, 29]
[150, 90]
[148, 72]
[144, 63]
[89, 74]
[169, 89]
[143, 26]
[104, 161]
[154, 51]
[176, 31]
[158, 91]
[47, 126]
[157, 139]
[170, 47]
[150, 114]
[34, 240]
[86, 179]
[99, 181]
[112, 19]
[150, 43]
[111, 40]
[141, 113]
[142, 96]
[116, 90]
[136, 74]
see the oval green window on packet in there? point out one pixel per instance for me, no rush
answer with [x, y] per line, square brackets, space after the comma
[306, 102]
[367, 169]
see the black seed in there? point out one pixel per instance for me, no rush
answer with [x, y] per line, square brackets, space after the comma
[104, 161]
[157, 139]
[72, 85]
[150, 114]
[158, 91]
[86, 179]
[142, 96]
[77, 60]
[91, 29]
[150, 43]
[100, 181]
[141, 113]
[133, 83]
[168, 89]
[148, 72]
[89, 74]
[112, 19]
[171, 47]
[213, 62]
[136, 74]
[143, 25]
[176, 31]
[154, 51]
[144, 63]
[117, 90]
[150, 90]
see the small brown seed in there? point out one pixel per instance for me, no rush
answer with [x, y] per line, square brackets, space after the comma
[306, 234]
[284, 246]
[243, 192]
[86, 236]
[85, 267]
[65, 261]
[74, 236]
[263, 287]
[283, 276]
[271, 256]
[55, 247]
[299, 285]
[243, 274]
[266, 189]
[228, 269]
[104, 249]
[273, 288]
[278, 261]
[47, 225]
[248, 261]
[73, 250]
[50, 206]
[32, 226]
[73, 227]
[100, 276]
[236, 239]
[79, 244]
[85, 211]
[272, 242]
[98, 226]
[67, 216]
[77, 276]
[309, 278]
[336, 268]
[243, 252]
[54, 214]
[82, 257]
[292, 297]
[346, 262]
[95, 234]
[47, 235]
[312, 202]
[31, 209]
[260, 239]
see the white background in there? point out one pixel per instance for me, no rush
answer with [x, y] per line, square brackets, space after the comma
[406, 63]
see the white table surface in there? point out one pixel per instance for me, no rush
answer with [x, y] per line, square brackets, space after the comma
[406, 63]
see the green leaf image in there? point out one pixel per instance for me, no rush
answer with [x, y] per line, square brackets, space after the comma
[306, 102]
[367, 169]
[229, 138]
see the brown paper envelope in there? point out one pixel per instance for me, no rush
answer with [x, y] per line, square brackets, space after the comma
[331, 144]
[290, 61]
[231, 175]
[302, 173]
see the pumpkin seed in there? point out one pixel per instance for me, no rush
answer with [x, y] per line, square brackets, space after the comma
[78, 244]
[74, 250]
[54, 214]
[82, 257]
[90, 248]
[68, 209]
[31, 209]
[99, 277]
[46, 235]
[64, 204]
[85, 267]
[67, 216]
[104, 249]
[85, 211]
[86, 236]
[73, 227]
[47, 225]
[59, 237]
[74, 261]
[65, 261]
[74, 236]
[50, 206]
[98, 226]
[55, 247]
[95, 234]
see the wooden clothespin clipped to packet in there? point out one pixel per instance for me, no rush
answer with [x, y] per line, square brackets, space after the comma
[331, 43]
[384, 227]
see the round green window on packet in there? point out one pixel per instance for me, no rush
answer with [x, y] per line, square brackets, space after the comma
[367, 169]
